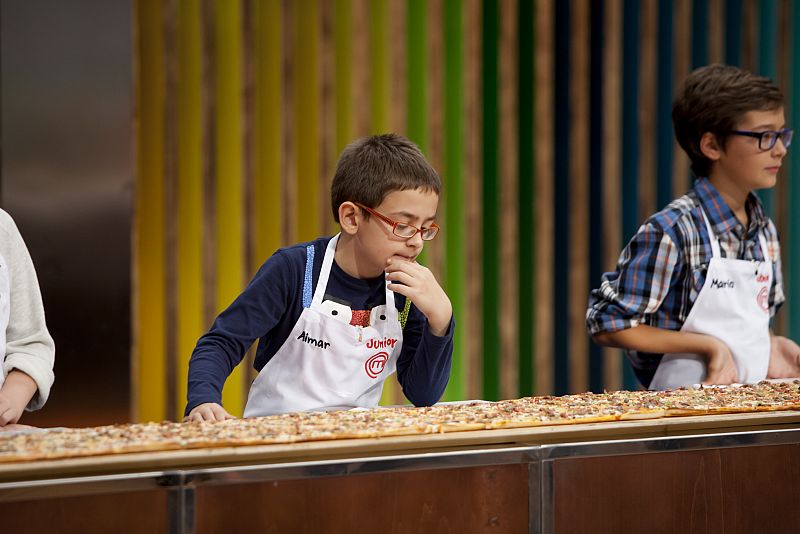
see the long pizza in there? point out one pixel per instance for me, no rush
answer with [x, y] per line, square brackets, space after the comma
[396, 421]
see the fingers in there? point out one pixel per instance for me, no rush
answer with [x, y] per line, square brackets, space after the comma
[220, 414]
[8, 415]
[7, 412]
[400, 277]
[208, 412]
[723, 376]
[404, 266]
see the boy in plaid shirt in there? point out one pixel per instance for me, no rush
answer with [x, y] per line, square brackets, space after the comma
[694, 291]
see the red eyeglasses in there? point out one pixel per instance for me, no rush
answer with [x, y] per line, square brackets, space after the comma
[401, 229]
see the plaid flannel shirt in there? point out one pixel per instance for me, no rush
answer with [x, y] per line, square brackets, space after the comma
[662, 269]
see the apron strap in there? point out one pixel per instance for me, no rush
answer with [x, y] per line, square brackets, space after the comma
[712, 237]
[325, 272]
[307, 284]
[762, 240]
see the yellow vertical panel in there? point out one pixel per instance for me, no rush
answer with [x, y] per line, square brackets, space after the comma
[268, 135]
[190, 193]
[149, 369]
[229, 177]
[306, 42]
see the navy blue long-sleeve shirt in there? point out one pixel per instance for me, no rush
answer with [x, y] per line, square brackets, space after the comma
[270, 306]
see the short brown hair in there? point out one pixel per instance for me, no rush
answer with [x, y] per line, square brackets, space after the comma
[372, 167]
[714, 99]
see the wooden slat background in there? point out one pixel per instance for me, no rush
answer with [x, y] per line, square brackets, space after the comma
[242, 108]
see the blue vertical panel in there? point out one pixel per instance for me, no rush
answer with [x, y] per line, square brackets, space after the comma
[596, 215]
[562, 155]
[699, 33]
[791, 241]
[665, 70]
[768, 66]
[630, 136]
[733, 32]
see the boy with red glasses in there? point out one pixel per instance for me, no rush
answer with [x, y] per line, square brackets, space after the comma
[694, 291]
[337, 316]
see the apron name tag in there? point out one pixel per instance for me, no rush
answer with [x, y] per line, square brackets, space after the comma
[313, 342]
[721, 284]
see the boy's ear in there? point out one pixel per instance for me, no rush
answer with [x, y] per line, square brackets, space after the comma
[349, 217]
[710, 147]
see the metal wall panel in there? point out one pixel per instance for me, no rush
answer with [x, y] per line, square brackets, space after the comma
[67, 175]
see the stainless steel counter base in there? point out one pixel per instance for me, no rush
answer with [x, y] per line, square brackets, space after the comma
[182, 484]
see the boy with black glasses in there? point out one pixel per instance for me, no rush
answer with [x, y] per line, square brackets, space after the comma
[336, 316]
[694, 291]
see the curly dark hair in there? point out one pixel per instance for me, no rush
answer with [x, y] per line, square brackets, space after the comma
[372, 167]
[714, 99]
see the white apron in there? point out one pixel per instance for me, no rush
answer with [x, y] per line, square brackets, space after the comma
[733, 306]
[327, 363]
[5, 308]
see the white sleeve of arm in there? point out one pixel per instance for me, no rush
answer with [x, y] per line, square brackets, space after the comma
[29, 346]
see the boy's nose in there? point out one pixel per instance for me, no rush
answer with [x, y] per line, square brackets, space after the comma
[415, 240]
[779, 149]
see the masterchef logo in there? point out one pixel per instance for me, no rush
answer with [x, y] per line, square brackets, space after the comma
[374, 366]
[763, 299]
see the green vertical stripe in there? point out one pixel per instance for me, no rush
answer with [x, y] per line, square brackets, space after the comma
[526, 297]
[454, 191]
[767, 66]
[417, 59]
[491, 251]
[343, 29]
[379, 66]
[791, 248]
